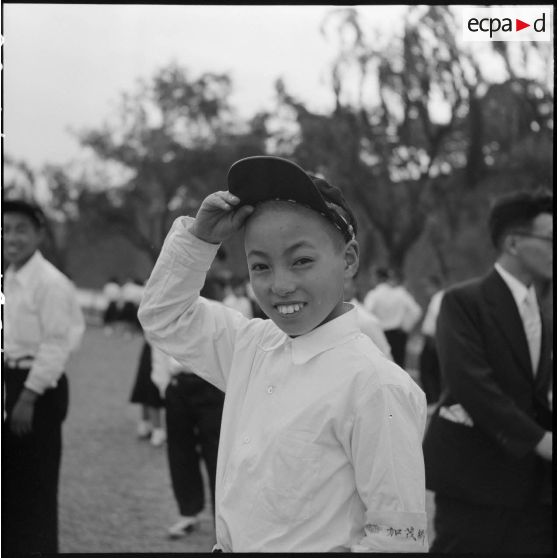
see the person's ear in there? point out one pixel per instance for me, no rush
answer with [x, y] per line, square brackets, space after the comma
[509, 245]
[351, 256]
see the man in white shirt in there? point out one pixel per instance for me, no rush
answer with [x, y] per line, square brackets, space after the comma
[43, 325]
[237, 298]
[489, 445]
[320, 446]
[367, 322]
[397, 311]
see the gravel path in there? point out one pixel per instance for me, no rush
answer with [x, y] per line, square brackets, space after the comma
[115, 493]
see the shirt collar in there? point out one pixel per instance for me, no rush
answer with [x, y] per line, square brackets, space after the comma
[28, 270]
[517, 288]
[323, 338]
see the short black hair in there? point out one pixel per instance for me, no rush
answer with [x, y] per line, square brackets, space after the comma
[24, 207]
[516, 211]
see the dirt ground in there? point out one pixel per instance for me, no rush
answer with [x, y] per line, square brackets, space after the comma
[115, 494]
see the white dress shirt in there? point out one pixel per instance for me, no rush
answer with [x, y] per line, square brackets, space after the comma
[394, 307]
[163, 368]
[429, 322]
[112, 292]
[370, 326]
[132, 292]
[321, 437]
[42, 319]
[521, 293]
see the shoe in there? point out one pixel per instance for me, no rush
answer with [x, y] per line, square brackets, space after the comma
[144, 429]
[158, 437]
[183, 526]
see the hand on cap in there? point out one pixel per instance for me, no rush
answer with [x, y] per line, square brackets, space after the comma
[219, 217]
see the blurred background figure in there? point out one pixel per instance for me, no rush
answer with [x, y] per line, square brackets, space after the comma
[396, 309]
[43, 325]
[429, 367]
[132, 291]
[113, 310]
[146, 394]
[367, 322]
[237, 297]
[257, 312]
[193, 418]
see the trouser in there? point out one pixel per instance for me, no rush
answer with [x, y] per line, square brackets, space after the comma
[193, 415]
[429, 369]
[462, 527]
[30, 469]
[397, 339]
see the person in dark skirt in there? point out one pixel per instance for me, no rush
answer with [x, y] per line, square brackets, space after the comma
[112, 294]
[146, 394]
[132, 292]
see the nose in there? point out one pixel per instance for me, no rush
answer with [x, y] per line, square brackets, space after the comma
[283, 283]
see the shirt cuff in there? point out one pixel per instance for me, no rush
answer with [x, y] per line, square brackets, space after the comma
[37, 384]
[394, 532]
[189, 250]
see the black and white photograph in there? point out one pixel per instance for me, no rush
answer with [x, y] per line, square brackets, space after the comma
[278, 278]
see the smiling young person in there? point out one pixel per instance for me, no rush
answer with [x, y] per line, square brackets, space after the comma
[320, 446]
[43, 325]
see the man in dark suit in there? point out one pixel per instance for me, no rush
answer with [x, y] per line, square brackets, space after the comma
[488, 448]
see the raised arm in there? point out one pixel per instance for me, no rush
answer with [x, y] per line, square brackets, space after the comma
[199, 333]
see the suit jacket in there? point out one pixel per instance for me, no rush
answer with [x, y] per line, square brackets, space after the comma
[486, 368]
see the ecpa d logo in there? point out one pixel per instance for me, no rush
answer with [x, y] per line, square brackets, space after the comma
[507, 23]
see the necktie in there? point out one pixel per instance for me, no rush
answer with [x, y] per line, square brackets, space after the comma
[532, 325]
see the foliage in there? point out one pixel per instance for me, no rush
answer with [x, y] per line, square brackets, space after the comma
[177, 136]
[419, 137]
[421, 143]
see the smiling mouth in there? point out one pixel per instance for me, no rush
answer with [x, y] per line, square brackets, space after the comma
[289, 309]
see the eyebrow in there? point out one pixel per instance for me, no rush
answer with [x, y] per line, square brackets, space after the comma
[295, 246]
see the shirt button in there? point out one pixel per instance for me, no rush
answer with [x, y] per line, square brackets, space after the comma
[246, 439]
[270, 389]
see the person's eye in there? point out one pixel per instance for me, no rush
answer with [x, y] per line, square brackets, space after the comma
[258, 267]
[303, 261]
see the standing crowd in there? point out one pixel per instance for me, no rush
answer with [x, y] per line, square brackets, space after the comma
[292, 389]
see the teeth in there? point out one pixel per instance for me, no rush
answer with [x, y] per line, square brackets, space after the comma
[288, 308]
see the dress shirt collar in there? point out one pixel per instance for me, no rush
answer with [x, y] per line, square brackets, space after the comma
[321, 339]
[27, 271]
[517, 288]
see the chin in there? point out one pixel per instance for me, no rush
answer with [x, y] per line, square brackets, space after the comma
[294, 329]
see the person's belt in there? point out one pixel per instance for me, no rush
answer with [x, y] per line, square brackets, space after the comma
[21, 363]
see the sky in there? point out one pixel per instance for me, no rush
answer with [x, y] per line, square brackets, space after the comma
[65, 66]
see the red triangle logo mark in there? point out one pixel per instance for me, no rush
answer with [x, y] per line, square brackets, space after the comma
[519, 25]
